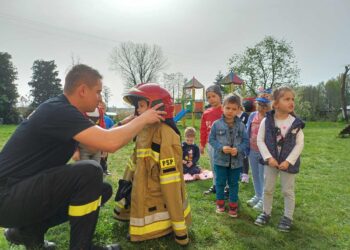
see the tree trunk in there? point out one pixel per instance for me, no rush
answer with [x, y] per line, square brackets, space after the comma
[343, 94]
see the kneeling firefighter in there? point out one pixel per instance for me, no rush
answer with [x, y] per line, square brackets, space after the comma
[159, 203]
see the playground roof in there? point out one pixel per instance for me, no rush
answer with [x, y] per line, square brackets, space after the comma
[231, 78]
[193, 83]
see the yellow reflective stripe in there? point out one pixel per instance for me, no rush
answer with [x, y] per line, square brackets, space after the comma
[179, 225]
[84, 209]
[167, 163]
[147, 152]
[170, 178]
[149, 219]
[131, 165]
[157, 226]
[119, 204]
[187, 211]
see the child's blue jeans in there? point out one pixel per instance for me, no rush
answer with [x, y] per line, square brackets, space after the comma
[231, 177]
[257, 173]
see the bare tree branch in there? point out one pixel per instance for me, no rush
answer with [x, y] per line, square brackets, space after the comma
[138, 62]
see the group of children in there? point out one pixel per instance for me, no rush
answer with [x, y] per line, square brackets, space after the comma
[157, 202]
[273, 141]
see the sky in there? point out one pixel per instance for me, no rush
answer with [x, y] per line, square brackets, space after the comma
[197, 36]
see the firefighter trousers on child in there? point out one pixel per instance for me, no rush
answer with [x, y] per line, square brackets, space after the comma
[71, 192]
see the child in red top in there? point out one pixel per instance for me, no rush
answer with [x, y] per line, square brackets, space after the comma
[210, 115]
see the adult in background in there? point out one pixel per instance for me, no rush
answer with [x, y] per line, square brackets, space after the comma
[38, 189]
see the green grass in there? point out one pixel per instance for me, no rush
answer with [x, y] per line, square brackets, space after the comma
[321, 219]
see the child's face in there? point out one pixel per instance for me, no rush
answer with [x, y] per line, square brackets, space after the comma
[285, 104]
[189, 140]
[263, 107]
[213, 99]
[142, 106]
[231, 110]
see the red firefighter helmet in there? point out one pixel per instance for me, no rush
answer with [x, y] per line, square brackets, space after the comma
[153, 94]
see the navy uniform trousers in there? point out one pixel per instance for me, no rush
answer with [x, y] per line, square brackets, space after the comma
[71, 192]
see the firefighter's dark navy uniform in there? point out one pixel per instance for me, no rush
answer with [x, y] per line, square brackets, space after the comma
[38, 189]
[159, 202]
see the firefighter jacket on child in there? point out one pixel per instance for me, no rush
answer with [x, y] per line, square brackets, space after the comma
[159, 203]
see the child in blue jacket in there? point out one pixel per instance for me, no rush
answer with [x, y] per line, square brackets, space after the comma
[229, 140]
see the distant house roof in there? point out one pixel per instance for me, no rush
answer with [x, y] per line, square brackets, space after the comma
[193, 83]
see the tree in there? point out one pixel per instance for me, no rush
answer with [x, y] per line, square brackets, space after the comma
[270, 63]
[138, 62]
[174, 83]
[332, 92]
[8, 89]
[224, 88]
[343, 93]
[219, 77]
[106, 93]
[44, 83]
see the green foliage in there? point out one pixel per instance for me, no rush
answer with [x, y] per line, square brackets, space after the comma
[44, 83]
[323, 100]
[321, 218]
[270, 63]
[8, 89]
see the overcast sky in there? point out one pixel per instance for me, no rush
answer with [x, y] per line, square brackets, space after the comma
[197, 36]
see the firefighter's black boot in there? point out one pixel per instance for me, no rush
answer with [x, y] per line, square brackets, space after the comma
[15, 236]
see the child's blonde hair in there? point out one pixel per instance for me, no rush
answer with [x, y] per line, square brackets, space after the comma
[278, 93]
[190, 132]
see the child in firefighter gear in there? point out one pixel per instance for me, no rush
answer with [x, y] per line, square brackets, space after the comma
[159, 202]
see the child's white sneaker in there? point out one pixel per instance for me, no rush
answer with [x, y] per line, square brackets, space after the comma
[259, 206]
[253, 201]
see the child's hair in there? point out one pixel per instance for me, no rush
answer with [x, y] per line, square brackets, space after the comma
[233, 99]
[278, 94]
[214, 88]
[190, 132]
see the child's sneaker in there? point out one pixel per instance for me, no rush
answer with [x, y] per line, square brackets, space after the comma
[262, 219]
[233, 209]
[220, 206]
[211, 190]
[285, 224]
[245, 178]
[253, 201]
[259, 206]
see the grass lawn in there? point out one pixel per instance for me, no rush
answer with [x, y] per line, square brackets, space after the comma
[321, 219]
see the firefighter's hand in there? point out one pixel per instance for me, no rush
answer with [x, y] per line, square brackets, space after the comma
[153, 115]
[272, 162]
[284, 165]
[184, 162]
[234, 151]
[201, 149]
[226, 149]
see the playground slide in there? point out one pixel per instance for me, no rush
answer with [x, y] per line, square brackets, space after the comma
[181, 114]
